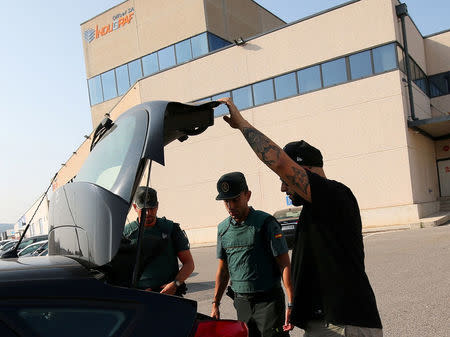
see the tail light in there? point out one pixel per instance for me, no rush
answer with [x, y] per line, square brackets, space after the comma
[221, 328]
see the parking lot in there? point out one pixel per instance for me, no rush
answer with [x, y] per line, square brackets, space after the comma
[409, 271]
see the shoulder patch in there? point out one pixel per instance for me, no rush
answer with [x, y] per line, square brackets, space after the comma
[279, 235]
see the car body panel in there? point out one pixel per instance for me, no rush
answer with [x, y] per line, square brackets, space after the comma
[63, 283]
[87, 216]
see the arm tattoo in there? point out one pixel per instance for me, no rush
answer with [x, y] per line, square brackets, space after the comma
[299, 178]
[264, 148]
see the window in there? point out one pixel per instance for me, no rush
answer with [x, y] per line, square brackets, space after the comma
[123, 82]
[95, 90]
[150, 64]
[135, 71]
[439, 84]
[384, 58]
[242, 97]
[222, 109]
[360, 65]
[109, 85]
[216, 42]
[334, 72]
[199, 45]
[418, 77]
[263, 92]
[183, 51]
[166, 57]
[285, 86]
[41, 226]
[309, 79]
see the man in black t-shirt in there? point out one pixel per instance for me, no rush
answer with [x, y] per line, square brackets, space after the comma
[332, 294]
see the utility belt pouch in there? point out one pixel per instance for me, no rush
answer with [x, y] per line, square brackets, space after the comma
[230, 293]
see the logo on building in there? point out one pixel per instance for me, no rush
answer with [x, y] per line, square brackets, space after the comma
[118, 21]
[89, 35]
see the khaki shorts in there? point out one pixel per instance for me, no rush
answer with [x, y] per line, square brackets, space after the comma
[323, 329]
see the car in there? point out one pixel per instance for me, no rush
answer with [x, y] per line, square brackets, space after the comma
[25, 242]
[288, 219]
[7, 246]
[78, 289]
[31, 249]
[42, 250]
[4, 242]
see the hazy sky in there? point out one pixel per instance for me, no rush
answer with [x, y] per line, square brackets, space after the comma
[44, 99]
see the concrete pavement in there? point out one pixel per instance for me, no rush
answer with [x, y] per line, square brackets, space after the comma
[409, 271]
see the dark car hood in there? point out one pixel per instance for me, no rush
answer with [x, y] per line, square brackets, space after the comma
[87, 216]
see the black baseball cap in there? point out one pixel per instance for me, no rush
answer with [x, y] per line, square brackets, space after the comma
[230, 185]
[304, 154]
[152, 198]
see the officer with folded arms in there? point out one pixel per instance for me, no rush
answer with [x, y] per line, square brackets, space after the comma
[253, 254]
[164, 243]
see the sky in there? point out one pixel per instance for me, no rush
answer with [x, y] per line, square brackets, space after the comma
[44, 105]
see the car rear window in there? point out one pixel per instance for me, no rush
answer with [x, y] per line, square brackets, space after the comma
[288, 213]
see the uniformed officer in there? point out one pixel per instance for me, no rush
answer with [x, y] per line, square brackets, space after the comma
[253, 254]
[163, 243]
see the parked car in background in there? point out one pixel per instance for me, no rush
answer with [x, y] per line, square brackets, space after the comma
[4, 242]
[25, 242]
[84, 285]
[41, 250]
[30, 249]
[7, 246]
[288, 220]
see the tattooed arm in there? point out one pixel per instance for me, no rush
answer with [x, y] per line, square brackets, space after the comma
[270, 153]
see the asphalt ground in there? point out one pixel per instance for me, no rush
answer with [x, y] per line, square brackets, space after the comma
[409, 271]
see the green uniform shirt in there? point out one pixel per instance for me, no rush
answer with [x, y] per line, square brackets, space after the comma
[249, 249]
[161, 244]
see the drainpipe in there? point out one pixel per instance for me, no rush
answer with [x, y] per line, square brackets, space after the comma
[402, 11]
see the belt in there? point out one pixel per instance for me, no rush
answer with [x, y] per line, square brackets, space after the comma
[260, 296]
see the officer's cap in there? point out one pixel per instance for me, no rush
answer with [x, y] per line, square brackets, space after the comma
[304, 154]
[151, 200]
[230, 185]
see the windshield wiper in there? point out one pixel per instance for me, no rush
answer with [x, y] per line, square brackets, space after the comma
[100, 131]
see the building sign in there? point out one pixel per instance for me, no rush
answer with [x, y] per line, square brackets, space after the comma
[118, 21]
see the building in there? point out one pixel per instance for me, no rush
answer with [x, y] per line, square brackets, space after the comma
[338, 79]
[38, 215]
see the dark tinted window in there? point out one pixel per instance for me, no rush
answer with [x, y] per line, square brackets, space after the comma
[285, 85]
[334, 72]
[199, 45]
[440, 84]
[123, 82]
[263, 92]
[150, 64]
[216, 42]
[55, 322]
[135, 71]
[109, 85]
[183, 51]
[222, 109]
[242, 97]
[95, 90]
[384, 58]
[309, 79]
[166, 57]
[360, 65]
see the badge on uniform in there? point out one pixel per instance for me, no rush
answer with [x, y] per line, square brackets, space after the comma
[279, 235]
[225, 187]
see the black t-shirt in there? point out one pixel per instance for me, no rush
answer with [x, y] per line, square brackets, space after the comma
[328, 260]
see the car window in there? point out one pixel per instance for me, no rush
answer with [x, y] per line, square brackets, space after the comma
[30, 248]
[25, 243]
[9, 245]
[73, 322]
[288, 213]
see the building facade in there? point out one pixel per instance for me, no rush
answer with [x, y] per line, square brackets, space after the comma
[338, 79]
